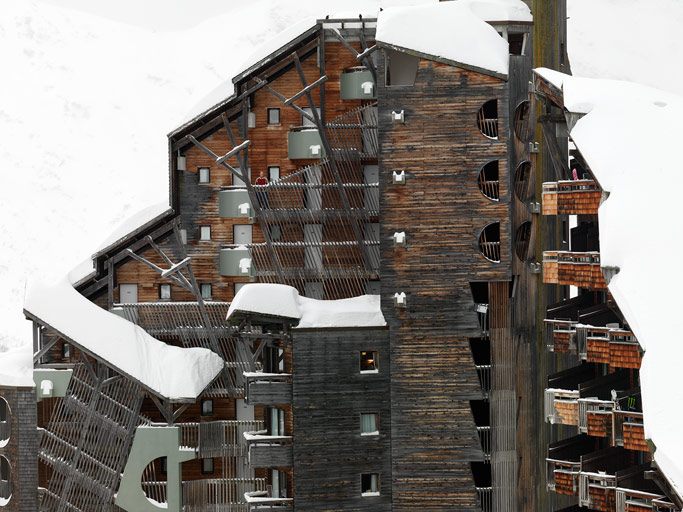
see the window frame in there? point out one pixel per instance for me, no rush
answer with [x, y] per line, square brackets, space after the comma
[201, 291]
[205, 461]
[202, 412]
[164, 286]
[208, 175]
[373, 433]
[202, 230]
[375, 357]
[66, 350]
[378, 492]
[279, 116]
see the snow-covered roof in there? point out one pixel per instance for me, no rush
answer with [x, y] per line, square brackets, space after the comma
[16, 366]
[629, 137]
[512, 11]
[283, 301]
[136, 221]
[171, 372]
[445, 30]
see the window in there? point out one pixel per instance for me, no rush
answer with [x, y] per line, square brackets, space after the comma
[251, 120]
[369, 424]
[66, 351]
[207, 466]
[369, 362]
[306, 121]
[516, 43]
[205, 289]
[487, 119]
[401, 68]
[488, 180]
[489, 242]
[165, 291]
[273, 173]
[205, 233]
[183, 236]
[273, 116]
[207, 407]
[369, 484]
[204, 175]
[238, 287]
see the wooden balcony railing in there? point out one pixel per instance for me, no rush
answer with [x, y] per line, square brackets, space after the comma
[628, 431]
[267, 388]
[577, 197]
[485, 495]
[5, 489]
[560, 335]
[224, 438]
[595, 489]
[267, 451]
[580, 269]
[487, 126]
[563, 476]
[209, 495]
[562, 406]
[631, 500]
[5, 430]
[595, 416]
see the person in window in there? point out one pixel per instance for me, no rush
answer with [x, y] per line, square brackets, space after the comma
[261, 193]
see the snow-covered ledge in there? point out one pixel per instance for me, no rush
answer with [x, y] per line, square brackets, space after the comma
[170, 372]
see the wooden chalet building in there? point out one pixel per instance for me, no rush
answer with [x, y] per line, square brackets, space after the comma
[337, 309]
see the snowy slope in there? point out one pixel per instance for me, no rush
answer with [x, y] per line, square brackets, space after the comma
[85, 106]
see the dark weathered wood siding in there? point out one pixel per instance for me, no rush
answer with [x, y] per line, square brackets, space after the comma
[442, 211]
[329, 395]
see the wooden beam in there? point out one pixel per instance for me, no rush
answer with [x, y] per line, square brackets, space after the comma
[559, 164]
[306, 90]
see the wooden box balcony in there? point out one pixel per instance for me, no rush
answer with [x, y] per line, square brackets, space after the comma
[262, 500]
[210, 495]
[562, 406]
[624, 349]
[628, 431]
[632, 500]
[563, 464]
[616, 347]
[267, 388]
[266, 451]
[234, 202]
[579, 197]
[595, 416]
[601, 474]
[235, 261]
[560, 335]
[223, 438]
[580, 269]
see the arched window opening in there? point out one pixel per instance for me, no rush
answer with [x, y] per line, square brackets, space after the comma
[522, 121]
[5, 425]
[489, 242]
[154, 481]
[5, 481]
[489, 182]
[522, 238]
[522, 178]
[487, 119]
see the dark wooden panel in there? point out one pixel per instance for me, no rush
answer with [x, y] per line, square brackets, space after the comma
[330, 393]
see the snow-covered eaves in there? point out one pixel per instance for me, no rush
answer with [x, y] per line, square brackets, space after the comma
[16, 367]
[629, 137]
[284, 302]
[171, 373]
[455, 32]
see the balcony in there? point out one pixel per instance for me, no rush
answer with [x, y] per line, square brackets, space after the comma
[631, 500]
[235, 262]
[209, 495]
[609, 345]
[485, 497]
[267, 388]
[484, 433]
[234, 202]
[484, 373]
[580, 269]
[578, 197]
[5, 430]
[266, 451]
[304, 143]
[560, 335]
[223, 438]
[574, 393]
[357, 84]
[563, 464]
[628, 431]
[258, 501]
[603, 472]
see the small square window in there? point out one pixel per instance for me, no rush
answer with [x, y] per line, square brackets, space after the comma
[369, 484]
[66, 351]
[207, 407]
[204, 175]
[273, 173]
[207, 466]
[205, 233]
[273, 116]
[369, 362]
[369, 424]
[165, 291]
[205, 289]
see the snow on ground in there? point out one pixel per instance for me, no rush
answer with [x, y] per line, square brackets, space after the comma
[284, 301]
[85, 105]
[172, 372]
[639, 233]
